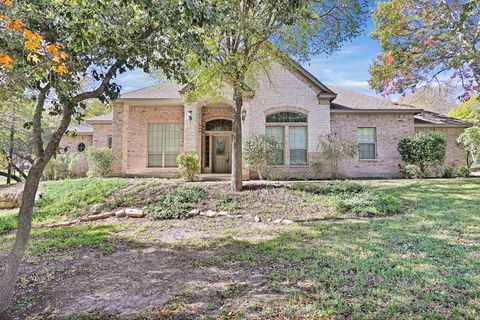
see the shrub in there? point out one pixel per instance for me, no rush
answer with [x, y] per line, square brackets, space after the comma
[463, 171]
[177, 203]
[369, 203]
[424, 150]
[259, 151]
[57, 168]
[188, 164]
[470, 141]
[77, 166]
[449, 172]
[335, 148]
[225, 202]
[331, 188]
[99, 161]
[411, 171]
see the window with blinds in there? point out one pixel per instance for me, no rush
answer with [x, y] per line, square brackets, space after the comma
[367, 143]
[279, 134]
[297, 139]
[163, 144]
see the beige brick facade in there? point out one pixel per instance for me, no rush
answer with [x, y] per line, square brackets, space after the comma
[130, 144]
[70, 144]
[275, 90]
[390, 128]
[101, 132]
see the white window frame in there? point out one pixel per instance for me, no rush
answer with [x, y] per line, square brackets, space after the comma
[162, 152]
[374, 143]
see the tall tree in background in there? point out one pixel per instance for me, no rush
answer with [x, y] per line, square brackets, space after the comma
[248, 34]
[51, 47]
[468, 110]
[439, 99]
[425, 42]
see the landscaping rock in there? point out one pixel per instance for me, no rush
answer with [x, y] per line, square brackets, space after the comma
[283, 221]
[10, 200]
[96, 208]
[223, 213]
[194, 212]
[209, 213]
[98, 216]
[120, 213]
[258, 219]
[134, 213]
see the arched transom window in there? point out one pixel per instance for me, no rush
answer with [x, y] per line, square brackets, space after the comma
[219, 125]
[291, 131]
[286, 117]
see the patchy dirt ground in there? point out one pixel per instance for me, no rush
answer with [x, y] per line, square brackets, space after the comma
[238, 267]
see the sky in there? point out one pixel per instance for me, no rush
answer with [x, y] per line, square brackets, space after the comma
[347, 67]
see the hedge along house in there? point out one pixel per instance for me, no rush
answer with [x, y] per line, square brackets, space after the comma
[151, 126]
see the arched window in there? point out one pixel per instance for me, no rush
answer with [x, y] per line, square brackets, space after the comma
[81, 147]
[219, 125]
[291, 131]
[286, 117]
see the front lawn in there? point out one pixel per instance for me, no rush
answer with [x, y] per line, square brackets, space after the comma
[421, 262]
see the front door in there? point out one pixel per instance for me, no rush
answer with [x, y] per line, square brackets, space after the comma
[221, 154]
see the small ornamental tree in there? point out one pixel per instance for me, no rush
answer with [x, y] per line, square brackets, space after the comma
[470, 141]
[66, 53]
[99, 161]
[188, 165]
[424, 150]
[335, 148]
[259, 151]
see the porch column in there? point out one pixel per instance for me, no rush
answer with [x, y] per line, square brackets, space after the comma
[191, 128]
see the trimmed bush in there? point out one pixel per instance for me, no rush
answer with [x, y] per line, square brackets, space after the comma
[463, 172]
[368, 204]
[225, 202]
[99, 161]
[177, 203]
[449, 172]
[188, 164]
[425, 150]
[411, 171]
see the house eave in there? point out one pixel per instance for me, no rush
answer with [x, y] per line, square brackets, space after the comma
[414, 111]
[441, 125]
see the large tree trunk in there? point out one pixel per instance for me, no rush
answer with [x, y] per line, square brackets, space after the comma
[9, 277]
[10, 152]
[237, 140]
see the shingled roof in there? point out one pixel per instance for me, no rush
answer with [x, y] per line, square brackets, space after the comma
[166, 90]
[347, 100]
[428, 119]
[103, 118]
[82, 129]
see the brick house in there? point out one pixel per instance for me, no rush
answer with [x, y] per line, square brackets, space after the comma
[150, 127]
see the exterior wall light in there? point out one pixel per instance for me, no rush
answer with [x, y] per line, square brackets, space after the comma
[190, 114]
[244, 114]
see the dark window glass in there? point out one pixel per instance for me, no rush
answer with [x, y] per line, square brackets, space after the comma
[207, 151]
[219, 125]
[286, 117]
[81, 147]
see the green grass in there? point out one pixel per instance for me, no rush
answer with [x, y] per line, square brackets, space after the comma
[423, 264]
[65, 197]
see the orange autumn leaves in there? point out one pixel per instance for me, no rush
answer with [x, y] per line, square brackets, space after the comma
[35, 46]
